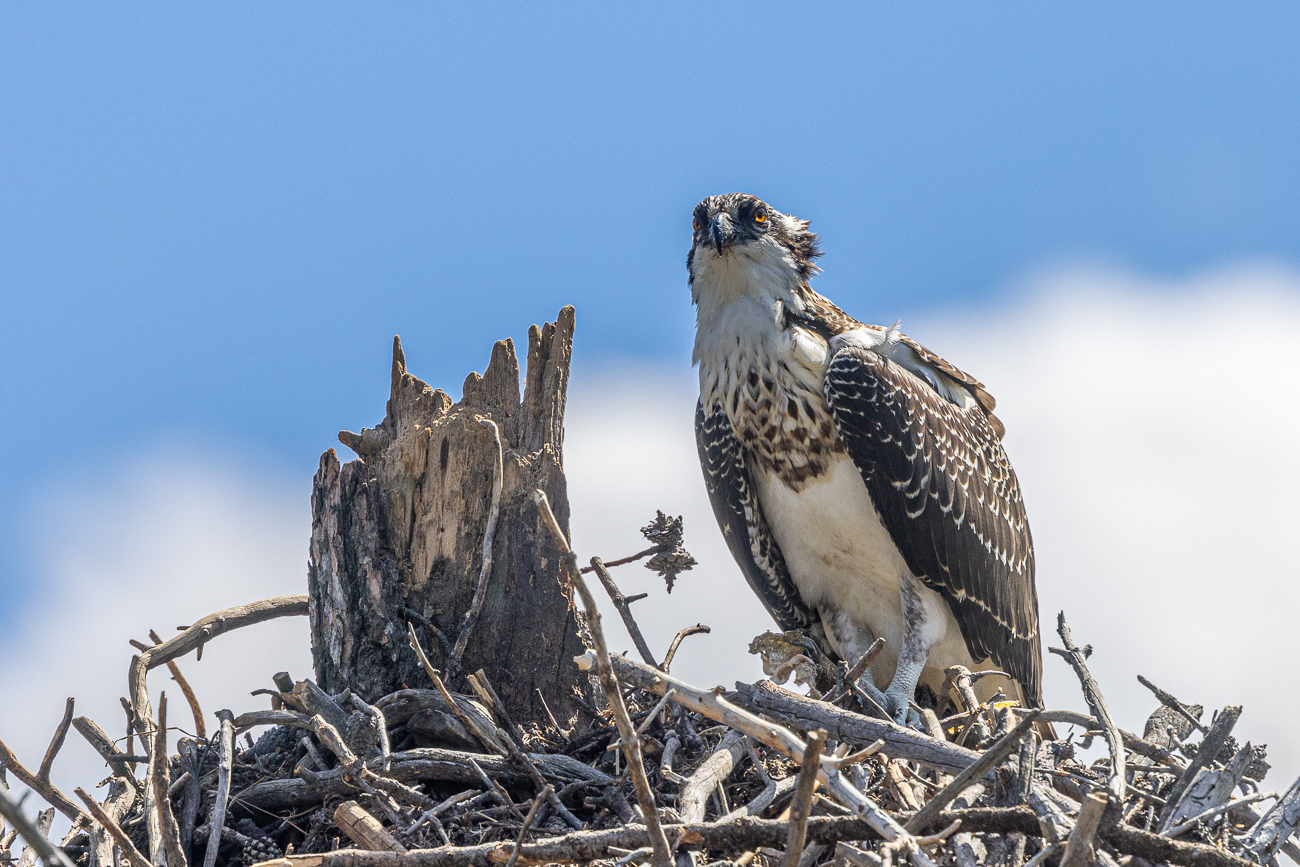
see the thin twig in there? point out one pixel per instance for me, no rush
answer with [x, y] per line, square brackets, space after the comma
[801, 806]
[1092, 694]
[614, 696]
[697, 629]
[1169, 701]
[485, 571]
[623, 561]
[40, 844]
[99, 739]
[1221, 808]
[624, 611]
[994, 754]
[56, 743]
[159, 771]
[542, 797]
[200, 728]
[39, 785]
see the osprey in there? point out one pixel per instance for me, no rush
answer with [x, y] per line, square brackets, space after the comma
[859, 479]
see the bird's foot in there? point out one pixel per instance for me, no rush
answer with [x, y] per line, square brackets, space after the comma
[899, 705]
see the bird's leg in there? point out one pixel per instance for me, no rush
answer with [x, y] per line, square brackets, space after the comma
[912, 656]
[851, 641]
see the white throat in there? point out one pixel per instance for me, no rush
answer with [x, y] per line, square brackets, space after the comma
[739, 296]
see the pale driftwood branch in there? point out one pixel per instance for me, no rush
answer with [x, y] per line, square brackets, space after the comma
[1276, 826]
[1210, 789]
[697, 629]
[1132, 742]
[200, 728]
[1092, 694]
[199, 634]
[1209, 748]
[843, 725]
[44, 819]
[1078, 848]
[748, 834]
[778, 737]
[225, 757]
[1216, 810]
[110, 825]
[801, 806]
[39, 843]
[364, 829]
[985, 763]
[158, 779]
[485, 571]
[624, 610]
[104, 745]
[712, 772]
[120, 799]
[613, 695]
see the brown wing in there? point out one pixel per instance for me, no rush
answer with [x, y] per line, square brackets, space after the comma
[945, 490]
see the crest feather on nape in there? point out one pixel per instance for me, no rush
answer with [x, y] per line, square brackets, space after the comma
[803, 243]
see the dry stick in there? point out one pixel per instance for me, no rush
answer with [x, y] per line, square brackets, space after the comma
[697, 629]
[56, 743]
[778, 737]
[859, 668]
[748, 834]
[803, 794]
[1209, 748]
[1078, 848]
[104, 745]
[1092, 694]
[38, 842]
[624, 611]
[1132, 742]
[623, 561]
[711, 773]
[44, 819]
[40, 785]
[225, 757]
[1173, 704]
[1221, 808]
[465, 719]
[994, 754]
[200, 730]
[115, 831]
[364, 829]
[613, 695]
[199, 634]
[171, 833]
[485, 571]
[542, 796]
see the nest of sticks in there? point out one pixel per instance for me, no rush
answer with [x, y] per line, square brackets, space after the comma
[663, 773]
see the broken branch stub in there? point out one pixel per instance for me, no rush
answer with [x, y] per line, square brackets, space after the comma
[398, 536]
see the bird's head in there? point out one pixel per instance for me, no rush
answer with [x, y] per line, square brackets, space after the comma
[737, 233]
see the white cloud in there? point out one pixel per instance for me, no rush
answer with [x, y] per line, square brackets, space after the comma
[161, 542]
[1153, 427]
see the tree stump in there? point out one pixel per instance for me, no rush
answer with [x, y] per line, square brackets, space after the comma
[398, 538]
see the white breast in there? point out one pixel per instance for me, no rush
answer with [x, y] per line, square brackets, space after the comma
[843, 559]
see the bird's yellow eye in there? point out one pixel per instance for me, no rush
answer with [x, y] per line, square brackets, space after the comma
[695, 224]
[760, 216]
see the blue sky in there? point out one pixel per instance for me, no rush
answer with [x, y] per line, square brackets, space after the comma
[213, 219]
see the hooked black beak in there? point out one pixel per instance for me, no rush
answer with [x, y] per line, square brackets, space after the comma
[722, 232]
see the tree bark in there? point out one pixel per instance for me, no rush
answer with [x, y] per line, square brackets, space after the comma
[398, 535]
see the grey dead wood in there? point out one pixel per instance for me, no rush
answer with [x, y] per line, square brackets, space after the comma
[631, 744]
[110, 824]
[1275, 827]
[403, 528]
[697, 629]
[200, 728]
[801, 806]
[1210, 788]
[40, 783]
[364, 829]
[104, 745]
[225, 757]
[44, 819]
[749, 833]
[121, 798]
[423, 764]
[716, 707]
[194, 637]
[1077, 657]
[900, 742]
[1132, 742]
[193, 794]
[624, 610]
[996, 753]
[712, 772]
[1078, 847]
[160, 770]
[1205, 754]
[1190, 716]
[542, 797]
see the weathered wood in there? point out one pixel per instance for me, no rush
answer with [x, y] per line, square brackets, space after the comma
[364, 829]
[398, 537]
